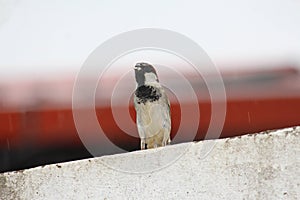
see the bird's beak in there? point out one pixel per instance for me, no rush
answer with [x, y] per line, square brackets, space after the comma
[137, 68]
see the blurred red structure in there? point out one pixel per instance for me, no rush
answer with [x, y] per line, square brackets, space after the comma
[256, 101]
[271, 100]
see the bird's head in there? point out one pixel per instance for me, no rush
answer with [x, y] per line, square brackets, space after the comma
[145, 74]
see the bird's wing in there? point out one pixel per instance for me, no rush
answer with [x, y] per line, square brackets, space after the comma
[166, 111]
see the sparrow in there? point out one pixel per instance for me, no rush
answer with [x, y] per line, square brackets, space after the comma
[152, 108]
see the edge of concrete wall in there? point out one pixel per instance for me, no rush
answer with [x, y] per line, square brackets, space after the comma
[257, 166]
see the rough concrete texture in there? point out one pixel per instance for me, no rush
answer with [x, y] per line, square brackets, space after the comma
[257, 166]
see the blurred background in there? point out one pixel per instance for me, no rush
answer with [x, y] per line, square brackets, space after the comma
[43, 44]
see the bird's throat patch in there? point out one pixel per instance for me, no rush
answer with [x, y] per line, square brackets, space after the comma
[147, 93]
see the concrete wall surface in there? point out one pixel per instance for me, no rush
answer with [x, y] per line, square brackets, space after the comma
[256, 166]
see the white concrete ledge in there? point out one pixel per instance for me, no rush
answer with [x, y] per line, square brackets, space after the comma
[257, 166]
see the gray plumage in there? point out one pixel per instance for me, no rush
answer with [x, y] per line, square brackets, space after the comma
[152, 108]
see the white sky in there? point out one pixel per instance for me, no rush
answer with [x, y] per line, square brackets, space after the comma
[53, 37]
